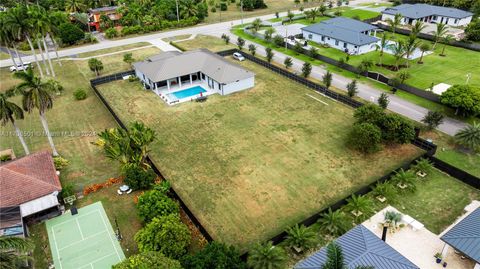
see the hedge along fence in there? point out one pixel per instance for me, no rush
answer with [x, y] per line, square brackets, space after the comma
[372, 75]
[461, 44]
[102, 80]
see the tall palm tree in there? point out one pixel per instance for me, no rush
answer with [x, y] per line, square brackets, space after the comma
[398, 52]
[35, 21]
[333, 222]
[41, 23]
[266, 256]
[9, 112]
[12, 251]
[410, 46]
[424, 47]
[18, 24]
[36, 95]
[397, 19]
[188, 9]
[439, 33]
[73, 6]
[56, 18]
[6, 37]
[383, 44]
[300, 237]
[417, 27]
[446, 40]
[469, 136]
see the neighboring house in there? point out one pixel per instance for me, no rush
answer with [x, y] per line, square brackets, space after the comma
[173, 71]
[464, 237]
[428, 13]
[29, 187]
[95, 14]
[360, 247]
[348, 35]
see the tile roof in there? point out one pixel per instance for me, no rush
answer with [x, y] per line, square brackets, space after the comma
[28, 178]
[361, 247]
[172, 64]
[465, 236]
[417, 11]
[344, 29]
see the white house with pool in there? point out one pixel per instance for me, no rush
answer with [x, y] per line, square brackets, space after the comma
[179, 77]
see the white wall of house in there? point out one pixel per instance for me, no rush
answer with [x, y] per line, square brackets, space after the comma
[338, 44]
[434, 19]
[39, 204]
[239, 85]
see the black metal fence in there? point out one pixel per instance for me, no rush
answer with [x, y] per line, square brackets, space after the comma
[456, 172]
[173, 193]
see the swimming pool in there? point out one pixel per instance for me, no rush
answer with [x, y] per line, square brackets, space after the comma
[189, 92]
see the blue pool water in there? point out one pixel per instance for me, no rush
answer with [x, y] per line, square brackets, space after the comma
[189, 92]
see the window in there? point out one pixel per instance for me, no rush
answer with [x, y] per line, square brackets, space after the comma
[434, 17]
[345, 45]
[310, 36]
[456, 21]
[323, 38]
[336, 42]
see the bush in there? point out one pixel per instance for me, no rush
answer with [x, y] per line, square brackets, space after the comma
[146, 260]
[278, 40]
[67, 190]
[214, 255]
[60, 162]
[464, 98]
[138, 178]
[80, 94]
[397, 129]
[472, 32]
[111, 33]
[155, 203]
[306, 69]
[223, 6]
[90, 38]
[166, 234]
[433, 119]
[369, 113]
[70, 33]
[365, 137]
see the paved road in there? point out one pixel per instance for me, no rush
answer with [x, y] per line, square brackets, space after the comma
[450, 126]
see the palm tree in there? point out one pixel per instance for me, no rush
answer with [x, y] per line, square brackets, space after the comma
[56, 19]
[9, 112]
[417, 28]
[398, 52]
[188, 9]
[446, 40]
[383, 44]
[36, 95]
[397, 19]
[266, 256]
[256, 24]
[410, 47]
[6, 37]
[327, 79]
[359, 206]
[335, 258]
[269, 33]
[18, 24]
[424, 47]
[333, 222]
[322, 9]
[73, 6]
[469, 136]
[423, 165]
[439, 33]
[37, 19]
[384, 190]
[95, 65]
[300, 238]
[252, 48]
[313, 13]
[405, 180]
[12, 251]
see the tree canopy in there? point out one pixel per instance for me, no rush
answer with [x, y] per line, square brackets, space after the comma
[215, 256]
[148, 260]
[464, 98]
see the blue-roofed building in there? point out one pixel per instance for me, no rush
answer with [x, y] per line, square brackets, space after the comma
[429, 14]
[464, 237]
[361, 248]
[348, 35]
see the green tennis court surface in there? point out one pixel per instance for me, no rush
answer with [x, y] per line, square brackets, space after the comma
[85, 240]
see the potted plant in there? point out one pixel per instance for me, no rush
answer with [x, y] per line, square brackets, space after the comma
[438, 257]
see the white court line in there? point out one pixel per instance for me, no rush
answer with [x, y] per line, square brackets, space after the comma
[86, 238]
[317, 99]
[89, 213]
[56, 247]
[94, 261]
[111, 239]
[80, 229]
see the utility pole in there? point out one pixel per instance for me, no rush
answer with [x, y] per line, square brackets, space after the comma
[286, 36]
[241, 9]
[178, 16]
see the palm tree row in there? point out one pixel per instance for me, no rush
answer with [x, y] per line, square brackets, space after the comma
[31, 23]
[36, 95]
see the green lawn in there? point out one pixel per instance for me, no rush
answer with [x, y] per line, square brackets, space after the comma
[233, 11]
[203, 41]
[359, 13]
[4, 56]
[114, 49]
[252, 163]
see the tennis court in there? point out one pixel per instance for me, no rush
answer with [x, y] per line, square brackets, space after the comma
[85, 240]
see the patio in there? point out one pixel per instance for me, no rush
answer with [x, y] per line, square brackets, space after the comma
[416, 243]
[167, 94]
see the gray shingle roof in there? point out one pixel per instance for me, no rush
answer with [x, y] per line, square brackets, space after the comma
[424, 10]
[172, 64]
[361, 247]
[343, 29]
[465, 236]
[102, 9]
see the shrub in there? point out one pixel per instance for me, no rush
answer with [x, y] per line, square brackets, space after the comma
[269, 54]
[334, 222]
[288, 62]
[352, 88]
[67, 190]
[472, 32]
[359, 204]
[433, 119]
[365, 137]
[464, 98]
[155, 203]
[90, 38]
[300, 237]
[266, 256]
[70, 33]
[405, 178]
[383, 100]
[95, 65]
[369, 113]
[214, 255]
[166, 234]
[149, 259]
[80, 94]
[278, 40]
[469, 137]
[138, 178]
[397, 129]
[384, 189]
[223, 6]
[128, 58]
[306, 69]
[423, 165]
[240, 43]
[60, 162]
[111, 33]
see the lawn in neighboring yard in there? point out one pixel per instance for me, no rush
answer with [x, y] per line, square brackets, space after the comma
[176, 38]
[252, 163]
[233, 11]
[4, 56]
[358, 13]
[114, 49]
[203, 41]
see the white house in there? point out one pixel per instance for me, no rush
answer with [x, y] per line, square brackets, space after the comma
[348, 35]
[429, 14]
[178, 77]
[28, 187]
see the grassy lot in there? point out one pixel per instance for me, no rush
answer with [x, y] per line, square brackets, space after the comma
[114, 49]
[203, 41]
[248, 175]
[449, 152]
[358, 13]
[176, 38]
[4, 56]
[233, 11]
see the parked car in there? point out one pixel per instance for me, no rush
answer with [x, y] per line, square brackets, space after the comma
[238, 56]
[25, 65]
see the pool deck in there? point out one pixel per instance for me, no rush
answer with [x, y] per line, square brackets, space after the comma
[170, 99]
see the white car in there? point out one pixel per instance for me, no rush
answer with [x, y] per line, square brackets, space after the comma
[238, 56]
[25, 65]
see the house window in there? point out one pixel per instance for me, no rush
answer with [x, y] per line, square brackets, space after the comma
[356, 46]
[345, 45]
[434, 17]
[456, 21]
[323, 38]
[336, 42]
[310, 36]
